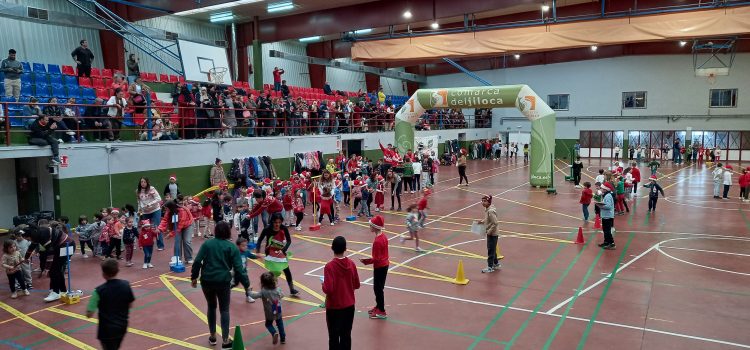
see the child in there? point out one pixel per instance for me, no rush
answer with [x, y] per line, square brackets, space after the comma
[525, 153]
[727, 177]
[129, 235]
[113, 299]
[422, 206]
[379, 196]
[105, 237]
[337, 198]
[271, 296]
[244, 255]
[339, 283]
[84, 231]
[597, 197]
[585, 201]
[23, 243]
[744, 182]
[654, 166]
[380, 264]
[346, 189]
[621, 205]
[288, 202]
[205, 218]
[12, 261]
[227, 209]
[146, 240]
[195, 209]
[241, 222]
[412, 224]
[115, 238]
[356, 193]
[653, 193]
[299, 209]
[364, 207]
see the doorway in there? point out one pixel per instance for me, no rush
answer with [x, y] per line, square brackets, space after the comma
[352, 147]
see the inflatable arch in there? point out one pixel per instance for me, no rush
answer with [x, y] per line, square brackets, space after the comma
[542, 118]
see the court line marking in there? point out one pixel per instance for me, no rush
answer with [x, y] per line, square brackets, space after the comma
[164, 279]
[146, 334]
[705, 207]
[527, 205]
[395, 246]
[658, 247]
[706, 251]
[296, 283]
[242, 290]
[364, 268]
[47, 329]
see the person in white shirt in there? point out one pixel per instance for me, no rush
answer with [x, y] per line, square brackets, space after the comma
[617, 152]
[600, 178]
[718, 177]
[727, 177]
[116, 114]
[416, 183]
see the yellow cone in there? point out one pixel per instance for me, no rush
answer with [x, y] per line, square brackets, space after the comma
[497, 252]
[460, 276]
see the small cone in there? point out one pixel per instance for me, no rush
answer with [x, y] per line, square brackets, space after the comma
[579, 239]
[460, 276]
[237, 343]
[497, 252]
[598, 222]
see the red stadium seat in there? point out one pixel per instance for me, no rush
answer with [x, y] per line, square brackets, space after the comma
[164, 78]
[98, 83]
[106, 73]
[172, 78]
[181, 79]
[68, 70]
[84, 82]
[245, 84]
[95, 72]
[102, 93]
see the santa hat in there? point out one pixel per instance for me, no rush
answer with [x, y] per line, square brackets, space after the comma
[279, 182]
[728, 167]
[377, 222]
[294, 173]
[337, 182]
[172, 177]
[357, 183]
[115, 211]
[145, 222]
[267, 181]
[463, 151]
[285, 183]
[346, 175]
[250, 190]
[380, 178]
[608, 186]
[652, 178]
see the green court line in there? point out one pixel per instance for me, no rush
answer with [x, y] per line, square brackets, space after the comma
[518, 294]
[599, 304]
[436, 329]
[286, 322]
[548, 295]
[572, 301]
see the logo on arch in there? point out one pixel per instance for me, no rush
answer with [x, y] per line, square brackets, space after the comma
[439, 98]
[527, 103]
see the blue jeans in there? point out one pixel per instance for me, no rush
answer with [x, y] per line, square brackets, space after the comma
[148, 251]
[280, 324]
[276, 86]
[251, 127]
[585, 208]
[155, 218]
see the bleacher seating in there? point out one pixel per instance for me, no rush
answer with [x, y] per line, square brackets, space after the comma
[26, 90]
[40, 68]
[95, 72]
[164, 78]
[97, 83]
[88, 93]
[26, 66]
[84, 82]
[70, 80]
[59, 92]
[102, 93]
[40, 78]
[106, 73]
[41, 90]
[68, 70]
[74, 92]
[53, 69]
[55, 79]
[173, 79]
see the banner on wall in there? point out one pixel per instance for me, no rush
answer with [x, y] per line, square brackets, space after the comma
[521, 97]
[427, 143]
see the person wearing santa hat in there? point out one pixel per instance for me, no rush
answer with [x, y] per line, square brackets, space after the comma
[653, 193]
[379, 193]
[607, 209]
[744, 181]
[146, 240]
[172, 187]
[380, 263]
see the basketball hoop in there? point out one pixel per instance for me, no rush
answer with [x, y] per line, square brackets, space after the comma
[216, 75]
[711, 78]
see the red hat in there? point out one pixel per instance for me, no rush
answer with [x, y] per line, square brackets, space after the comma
[223, 185]
[115, 211]
[380, 177]
[728, 166]
[250, 190]
[294, 173]
[337, 182]
[608, 186]
[748, 168]
[463, 151]
[279, 182]
[357, 183]
[285, 183]
[267, 181]
[172, 177]
[652, 178]
[145, 222]
[377, 222]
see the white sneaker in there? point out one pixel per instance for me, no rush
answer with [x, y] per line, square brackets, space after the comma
[145, 266]
[52, 297]
[298, 228]
[150, 266]
[26, 292]
[85, 256]
[250, 299]
[190, 262]
[488, 270]
[129, 264]
[60, 141]
[13, 295]
[332, 224]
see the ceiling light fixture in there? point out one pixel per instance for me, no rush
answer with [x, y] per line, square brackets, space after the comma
[363, 31]
[545, 8]
[407, 14]
[435, 25]
[594, 48]
[221, 17]
[280, 6]
[517, 56]
[310, 39]
[683, 43]
[216, 7]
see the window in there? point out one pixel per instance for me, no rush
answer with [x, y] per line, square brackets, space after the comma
[723, 98]
[559, 102]
[634, 99]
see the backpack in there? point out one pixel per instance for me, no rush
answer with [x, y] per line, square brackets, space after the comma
[234, 171]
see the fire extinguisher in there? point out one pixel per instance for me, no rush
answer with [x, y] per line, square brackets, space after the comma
[23, 184]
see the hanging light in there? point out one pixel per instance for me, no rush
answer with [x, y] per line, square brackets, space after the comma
[594, 48]
[517, 56]
[545, 8]
[435, 25]
[407, 14]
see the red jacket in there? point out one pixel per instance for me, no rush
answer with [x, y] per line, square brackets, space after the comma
[288, 201]
[636, 174]
[339, 282]
[146, 237]
[744, 180]
[422, 204]
[184, 220]
[270, 204]
[586, 196]
[379, 252]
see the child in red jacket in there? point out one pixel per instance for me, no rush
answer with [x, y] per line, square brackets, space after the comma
[299, 209]
[744, 181]
[287, 201]
[585, 201]
[379, 193]
[146, 239]
[340, 279]
[380, 263]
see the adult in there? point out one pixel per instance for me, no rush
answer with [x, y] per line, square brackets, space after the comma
[577, 168]
[186, 113]
[116, 113]
[352, 166]
[172, 187]
[395, 181]
[577, 148]
[490, 230]
[49, 236]
[178, 220]
[216, 260]
[95, 119]
[277, 240]
[461, 164]
[12, 70]
[149, 206]
[83, 58]
[284, 89]
[676, 155]
[607, 213]
[327, 89]
[134, 70]
[340, 279]
[381, 96]
[137, 91]
[42, 134]
[217, 175]
[277, 78]
[119, 82]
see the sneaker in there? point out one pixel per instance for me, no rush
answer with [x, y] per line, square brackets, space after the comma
[145, 266]
[298, 228]
[60, 141]
[250, 299]
[26, 292]
[381, 315]
[227, 345]
[13, 295]
[275, 338]
[129, 264]
[294, 293]
[190, 262]
[372, 311]
[212, 341]
[150, 266]
[610, 246]
[55, 160]
[85, 256]
[283, 340]
[332, 224]
[488, 270]
[52, 297]
[419, 250]
[159, 249]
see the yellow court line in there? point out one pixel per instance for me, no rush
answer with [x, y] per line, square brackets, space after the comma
[43, 327]
[398, 246]
[164, 279]
[297, 283]
[133, 330]
[444, 278]
[500, 221]
[527, 205]
[370, 269]
[424, 240]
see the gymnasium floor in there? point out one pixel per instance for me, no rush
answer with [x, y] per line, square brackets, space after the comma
[679, 278]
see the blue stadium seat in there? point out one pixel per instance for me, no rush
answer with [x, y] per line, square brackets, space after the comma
[24, 99]
[2, 88]
[70, 80]
[53, 69]
[88, 93]
[42, 90]
[40, 78]
[42, 100]
[26, 67]
[74, 92]
[40, 68]
[58, 91]
[26, 90]
[55, 79]
[62, 101]
[26, 78]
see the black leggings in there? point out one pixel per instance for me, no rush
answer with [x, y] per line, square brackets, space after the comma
[220, 293]
[407, 181]
[379, 274]
[57, 274]
[299, 217]
[115, 244]
[330, 215]
[462, 174]
[396, 193]
[577, 177]
[339, 322]
[84, 243]
[346, 197]
[288, 275]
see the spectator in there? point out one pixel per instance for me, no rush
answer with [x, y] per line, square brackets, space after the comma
[205, 112]
[94, 117]
[31, 110]
[327, 89]
[138, 92]
[116, 114]
[72, 116]
[381, 96]
[119, 82]
[42, 134]
[83, 58]
[277, 78]
[186, 113]
[217, 174]
[176, 94]
[284, 89]
[12, 70]
[133, 70]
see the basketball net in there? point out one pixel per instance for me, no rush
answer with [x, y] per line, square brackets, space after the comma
[711, 78]
[216, 75]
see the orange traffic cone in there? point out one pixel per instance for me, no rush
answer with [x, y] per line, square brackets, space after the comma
[598, 222]
[579, 239]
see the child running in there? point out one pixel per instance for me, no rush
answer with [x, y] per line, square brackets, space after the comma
[244, 255]
[585, 201]
[271, 296]
[412, 224]
[653, 193]
[422, 206]
[113, 300]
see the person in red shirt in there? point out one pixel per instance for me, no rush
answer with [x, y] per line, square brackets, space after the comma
[422, 205]
[744, 182]
[380, 263]
[636, 176]
[585, 201]
[340, 279]
[277, 78]
[269, 204]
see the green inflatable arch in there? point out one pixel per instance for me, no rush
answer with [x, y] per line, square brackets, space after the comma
[542, 118]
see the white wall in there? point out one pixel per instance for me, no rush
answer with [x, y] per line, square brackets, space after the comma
[596, 87]
[370, 140]
[8, 200]
[345, 80]
[47, 43]
[295, 73]
[393, 86]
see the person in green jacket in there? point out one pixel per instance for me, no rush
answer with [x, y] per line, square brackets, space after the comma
[214, 264]
[407, 177]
